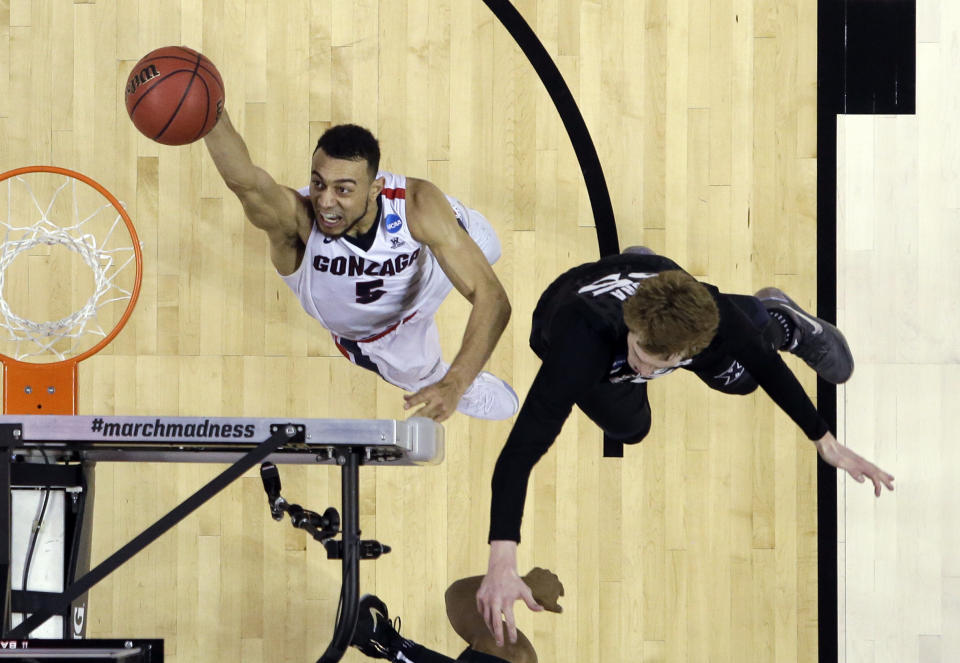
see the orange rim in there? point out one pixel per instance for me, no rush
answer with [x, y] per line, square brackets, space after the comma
[134, 294]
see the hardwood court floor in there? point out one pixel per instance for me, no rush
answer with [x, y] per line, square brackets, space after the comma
[699, 545]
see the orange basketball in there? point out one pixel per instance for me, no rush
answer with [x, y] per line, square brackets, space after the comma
[174, 95]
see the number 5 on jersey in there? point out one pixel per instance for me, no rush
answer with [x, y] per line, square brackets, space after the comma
[366, 293]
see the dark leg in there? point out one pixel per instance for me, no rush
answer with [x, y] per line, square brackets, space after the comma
[772, 333]
[377, 636]
[638, 250]
[420, 654]
[622, 411]
[473, 656]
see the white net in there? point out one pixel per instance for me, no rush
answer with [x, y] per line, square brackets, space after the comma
[54, 225]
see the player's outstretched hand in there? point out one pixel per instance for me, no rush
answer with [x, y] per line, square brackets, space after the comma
[500, 588]
[439, 400]
[853, 464]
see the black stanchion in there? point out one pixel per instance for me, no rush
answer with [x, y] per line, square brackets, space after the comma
[350, 555]
[350, 549]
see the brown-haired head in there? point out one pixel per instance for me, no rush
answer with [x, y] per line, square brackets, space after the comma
[672, 314]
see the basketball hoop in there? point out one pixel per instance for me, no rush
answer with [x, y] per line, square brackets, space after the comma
[54, 220]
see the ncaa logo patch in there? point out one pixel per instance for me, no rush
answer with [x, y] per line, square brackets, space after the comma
[393, 223]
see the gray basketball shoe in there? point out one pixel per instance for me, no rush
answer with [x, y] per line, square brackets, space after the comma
[489, 397]
[638, 250]
[820, 344]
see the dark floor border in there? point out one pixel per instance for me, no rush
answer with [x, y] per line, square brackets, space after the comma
[830, 24]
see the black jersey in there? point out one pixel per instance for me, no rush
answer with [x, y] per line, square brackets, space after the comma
[594, 293]
[579, 333]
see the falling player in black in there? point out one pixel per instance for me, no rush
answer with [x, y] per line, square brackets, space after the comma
[603, 330]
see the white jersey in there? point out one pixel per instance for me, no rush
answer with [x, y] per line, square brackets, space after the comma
[356, 293]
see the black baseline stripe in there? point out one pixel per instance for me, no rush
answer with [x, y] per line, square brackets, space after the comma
[830, 93]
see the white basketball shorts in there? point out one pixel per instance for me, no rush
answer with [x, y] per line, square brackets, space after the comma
[408, 355]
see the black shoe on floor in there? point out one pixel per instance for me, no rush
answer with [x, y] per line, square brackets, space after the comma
[375, 636]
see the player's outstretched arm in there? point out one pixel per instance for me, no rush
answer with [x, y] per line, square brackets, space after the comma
[856, 466]
[433, 223]
[277, 210]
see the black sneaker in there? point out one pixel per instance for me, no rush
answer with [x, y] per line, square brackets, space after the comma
[375, 636]
[820, 344]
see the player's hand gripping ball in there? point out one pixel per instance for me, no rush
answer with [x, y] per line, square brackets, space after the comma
[174, 95]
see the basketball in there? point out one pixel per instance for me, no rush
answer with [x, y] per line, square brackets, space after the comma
[174, 95]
